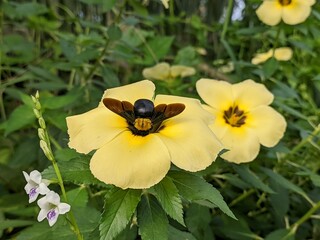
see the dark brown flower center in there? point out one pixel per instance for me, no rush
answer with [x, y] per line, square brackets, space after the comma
[285, 2]
[234, 116]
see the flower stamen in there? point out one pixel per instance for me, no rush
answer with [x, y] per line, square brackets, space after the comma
[234, 116]
[285, 2]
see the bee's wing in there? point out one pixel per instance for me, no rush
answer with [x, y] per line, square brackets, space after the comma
[124, 109]
[173, 110]
[164, 111]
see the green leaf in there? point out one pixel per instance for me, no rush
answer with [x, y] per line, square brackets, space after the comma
[168, 196]
[19, 118]
[251, 178]
[118, 209]
[175, 234]
[284, 182]
[198, 220]
[52, 102]
[270, 67]
[76, 170]
[283, 234]
[193, 188]
[114, 33]
[78, 197]
[153, 222]
[238, 230]
[157, 47]
[14, 223]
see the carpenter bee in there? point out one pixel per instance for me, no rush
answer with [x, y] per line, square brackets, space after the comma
[143, 117]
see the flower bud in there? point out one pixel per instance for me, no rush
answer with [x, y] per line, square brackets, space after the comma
[42, 123]
[37, 95]
[41, 134]
[37, 105]
[37, 113]
[34, 100]
[46, 150]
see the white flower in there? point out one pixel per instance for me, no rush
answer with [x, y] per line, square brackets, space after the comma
[51, 207]
[35, 185]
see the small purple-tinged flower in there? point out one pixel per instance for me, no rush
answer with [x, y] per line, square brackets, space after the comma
[35, 185]
[51, 208]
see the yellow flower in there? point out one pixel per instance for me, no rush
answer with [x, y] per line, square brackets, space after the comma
[163, 71]
[290, 11]
[243, 118]
[281, 54]
[135, 150]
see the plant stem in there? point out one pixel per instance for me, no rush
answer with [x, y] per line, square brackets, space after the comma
[227, 19]
[306, 140]
[305, 217]
[241, 197]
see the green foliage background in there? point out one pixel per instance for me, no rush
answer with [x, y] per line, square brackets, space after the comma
[71, 51]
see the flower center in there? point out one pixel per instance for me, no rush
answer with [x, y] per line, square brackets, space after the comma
[285, 2]
[234, 116]
[143, 117]
[51, 214]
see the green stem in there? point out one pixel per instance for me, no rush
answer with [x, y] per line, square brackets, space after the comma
[305, 217]
[276, 40]
[228, 18]
[241, 197]
[72, 219]
[305, 141]
[2, 109]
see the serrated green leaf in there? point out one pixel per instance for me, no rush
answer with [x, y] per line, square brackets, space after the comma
[152, 220]
[198, 220]
[284, 182]
[118, 208]
[175, 234]
[193, 187]
[251, 178]
[168, 196]
[283, 234]
[76, 170]
[78, 197]
[19, 118]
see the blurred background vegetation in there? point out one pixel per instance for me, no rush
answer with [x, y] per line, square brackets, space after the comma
[71, 51]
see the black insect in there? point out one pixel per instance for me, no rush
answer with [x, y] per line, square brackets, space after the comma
[143, 117]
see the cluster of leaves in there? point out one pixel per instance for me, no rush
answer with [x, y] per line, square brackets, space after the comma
[73, 50]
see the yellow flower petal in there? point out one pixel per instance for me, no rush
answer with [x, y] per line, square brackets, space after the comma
[181, 71]
[131, 92]
[217, 94]
[283, 54]
[268, 124]
[193, 110]
[191, 144]
[249, 94]
[131, 161]
[261, 57]
[91, 130]
[295, 13]
[243, 144]
[270, 12]
[161, 71]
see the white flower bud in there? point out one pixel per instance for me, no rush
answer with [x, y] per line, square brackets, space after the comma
[42, 123]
